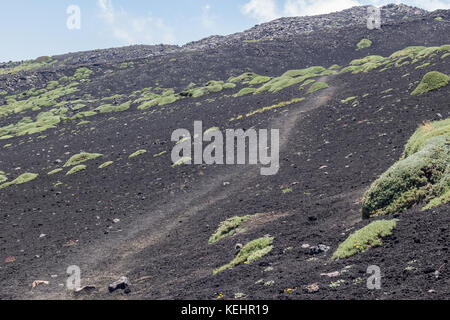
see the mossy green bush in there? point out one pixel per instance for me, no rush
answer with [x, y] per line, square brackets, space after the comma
[349, 99]
[422, 174]
[82, 73]
[431, 81]
[424, 133]
[148, 104]
[108, 108]
[303, 72]
[229, 85]
[251, 252]
[365, 238]
[280, 83]
[106, 164]
[137, 153]
[76, 169]
[81, 157]
[244, 91]
[317, 86]
[410, 52]
[259, 80]
[363, 44]
[23, 178]
[182, 161]
[228, 228]
[54, 171]
[244, 78]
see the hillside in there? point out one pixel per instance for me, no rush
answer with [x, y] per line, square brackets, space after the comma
[86, 176]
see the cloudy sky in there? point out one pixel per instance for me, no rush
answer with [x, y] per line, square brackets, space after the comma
[29, 29]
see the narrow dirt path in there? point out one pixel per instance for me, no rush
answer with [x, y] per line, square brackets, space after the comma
[105, 262]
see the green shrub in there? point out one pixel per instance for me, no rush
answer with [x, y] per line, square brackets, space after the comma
[365, 238]
[348, 99]
[76, 169]
[181, 161]
[23, 178]
[81, 157]
[228, 228]
[137, 153]
[54, 171]
[251, 252]
[229, 85]
[82, 73]
[259, 80]
[422, 174]
[108, 108]
[303, 72]
[244, 92]
[317, 86]
[363, 44]
[407, 52]
[243, 78]
[431, 81]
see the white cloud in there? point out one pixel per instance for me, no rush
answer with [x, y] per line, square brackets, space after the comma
[131, 29]
[315, 7]
[261, 10]
[207, 19]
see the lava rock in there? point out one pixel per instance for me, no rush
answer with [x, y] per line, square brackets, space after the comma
[318, 249]
[122, 284]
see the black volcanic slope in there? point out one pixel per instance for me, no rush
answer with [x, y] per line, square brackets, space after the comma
[142, 218]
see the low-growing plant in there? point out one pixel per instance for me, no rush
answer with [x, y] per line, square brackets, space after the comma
[54, 171]
[422, 173]
[23, 178]
[251, 252]
[76, 169]
[363, 44]
[81, 157]
[228, 228]
[431, 81]
[365, 238]
[317, 86]
[106, 164]
[137, 153]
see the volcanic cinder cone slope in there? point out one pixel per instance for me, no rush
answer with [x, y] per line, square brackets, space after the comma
[345, 114]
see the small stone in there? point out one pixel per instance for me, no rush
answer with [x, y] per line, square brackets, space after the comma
[331, 274]
[318, 249]
[38, 282]
[312, 288]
